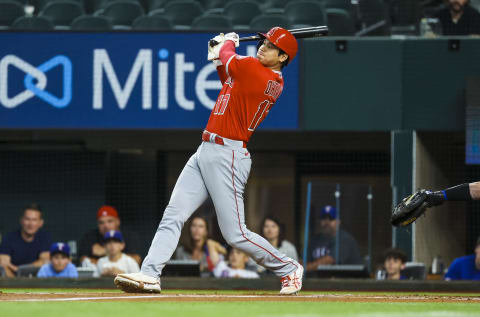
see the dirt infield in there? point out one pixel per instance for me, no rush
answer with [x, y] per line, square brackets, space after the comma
[199, 297]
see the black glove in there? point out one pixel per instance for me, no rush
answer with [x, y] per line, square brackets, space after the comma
[413, 206]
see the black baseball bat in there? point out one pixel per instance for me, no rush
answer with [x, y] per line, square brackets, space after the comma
[313, 31]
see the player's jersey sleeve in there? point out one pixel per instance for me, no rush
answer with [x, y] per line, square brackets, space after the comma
[238, 65]
[222, 74]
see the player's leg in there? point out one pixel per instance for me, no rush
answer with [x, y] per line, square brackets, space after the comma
[226, 172]
[188, 194]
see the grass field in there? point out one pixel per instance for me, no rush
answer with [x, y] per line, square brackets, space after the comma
[87, 303]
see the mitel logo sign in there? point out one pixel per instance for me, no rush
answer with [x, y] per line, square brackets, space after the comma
[37, 88]
[144, 64]
[124, 80]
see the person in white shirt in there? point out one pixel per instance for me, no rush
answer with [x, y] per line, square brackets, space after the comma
[237, 261]
[116, 262]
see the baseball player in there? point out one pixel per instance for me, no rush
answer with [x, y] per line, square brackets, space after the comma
[221, 164]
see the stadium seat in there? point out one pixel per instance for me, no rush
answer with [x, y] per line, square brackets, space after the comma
[157, 4]
[212, 23]
[122, 13]
[338, 4]
[265, 22]
[21, 2]
[62, 12]
[475, 4]
[339, 23]
[305, 13]
[102, 4]
[213, 4]
[155, 22]
[373, 13]
[91, 23]
[241, 13]
[9, 12]
[273, 4]
[40, 4]
[182, 12]
[32, 23]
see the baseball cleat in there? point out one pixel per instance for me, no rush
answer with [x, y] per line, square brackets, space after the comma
[137, 283]
[292, 284]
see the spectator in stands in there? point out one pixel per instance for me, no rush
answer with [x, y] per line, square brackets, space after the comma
[116, 262]
[29, 245]
[274, 232]
[92, 245]
[322, 247]
[394, 262]
[236, 267]
[199, 247]
[465, 267]
[60, 263]
[459, 18]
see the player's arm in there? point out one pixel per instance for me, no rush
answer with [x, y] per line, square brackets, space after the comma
[222, 74]
[462, 192]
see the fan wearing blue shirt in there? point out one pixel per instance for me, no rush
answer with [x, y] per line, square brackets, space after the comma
[465, 267]
[26, 246]
[60, 265]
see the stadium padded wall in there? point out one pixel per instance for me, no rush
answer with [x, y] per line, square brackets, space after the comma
[387, 84]
[440, 164]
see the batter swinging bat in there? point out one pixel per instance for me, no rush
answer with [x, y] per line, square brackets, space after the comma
[313, 31]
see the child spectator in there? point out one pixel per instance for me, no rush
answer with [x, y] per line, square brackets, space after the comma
[394, 262]
[116, 262]
[236, 267]
[60, 263]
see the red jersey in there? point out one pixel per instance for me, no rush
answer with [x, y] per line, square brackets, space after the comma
[249, 91]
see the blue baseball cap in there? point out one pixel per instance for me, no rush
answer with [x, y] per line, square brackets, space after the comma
[113, 234]
[328, 212]
[60, 247]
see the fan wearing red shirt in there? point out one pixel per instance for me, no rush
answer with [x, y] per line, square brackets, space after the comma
[221, 165]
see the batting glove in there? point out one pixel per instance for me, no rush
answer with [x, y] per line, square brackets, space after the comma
[214, 46]
[232, 36]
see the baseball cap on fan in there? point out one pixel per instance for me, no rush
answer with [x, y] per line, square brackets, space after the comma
[60, 247]
[113, 235]
[107, 211]
[328, 212]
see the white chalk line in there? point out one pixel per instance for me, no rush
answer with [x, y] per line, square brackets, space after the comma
[383, 314]
[214, 296]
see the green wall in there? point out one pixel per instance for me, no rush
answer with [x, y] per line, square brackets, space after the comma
[382, 84]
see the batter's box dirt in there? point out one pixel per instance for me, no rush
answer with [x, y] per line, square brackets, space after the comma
[105, 296]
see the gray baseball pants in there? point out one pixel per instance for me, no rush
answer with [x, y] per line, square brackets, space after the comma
[220, 171]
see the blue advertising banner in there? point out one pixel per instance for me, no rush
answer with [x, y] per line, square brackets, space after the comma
[118, 81]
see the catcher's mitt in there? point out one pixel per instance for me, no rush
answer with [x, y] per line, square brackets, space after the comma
[410, 209]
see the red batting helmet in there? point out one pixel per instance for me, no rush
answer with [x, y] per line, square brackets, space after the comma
[282, 39]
